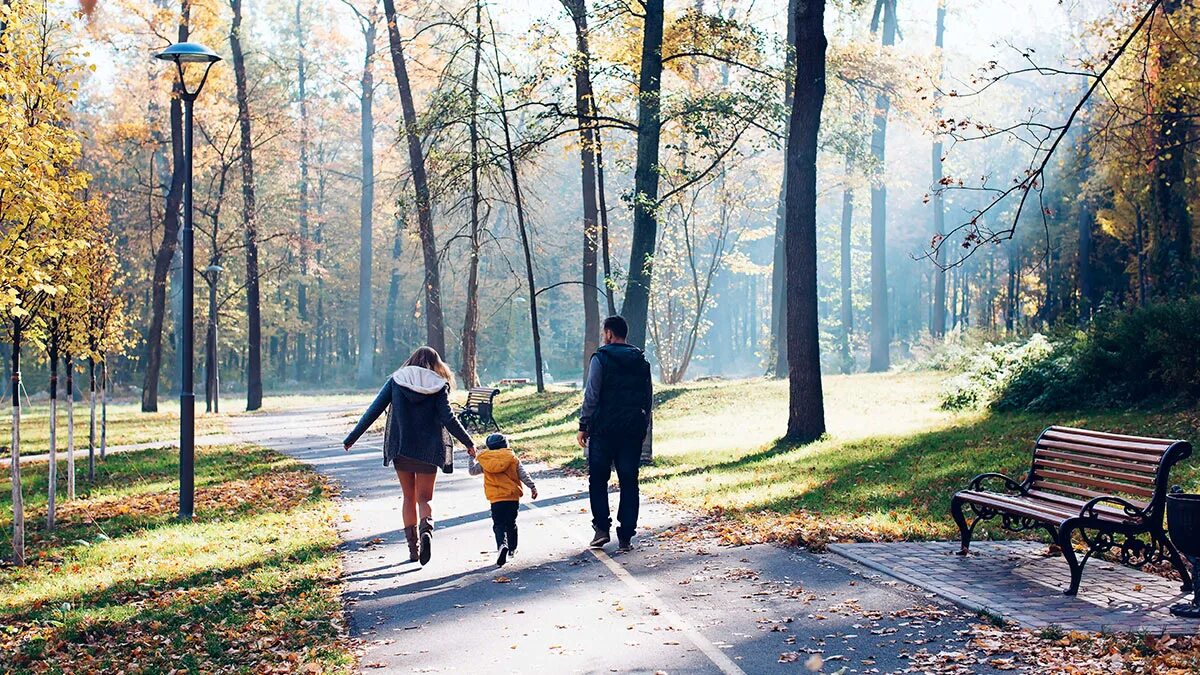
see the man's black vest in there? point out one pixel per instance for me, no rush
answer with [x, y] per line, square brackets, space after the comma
[623, 408]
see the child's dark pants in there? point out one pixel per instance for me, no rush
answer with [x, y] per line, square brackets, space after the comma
[504, 523]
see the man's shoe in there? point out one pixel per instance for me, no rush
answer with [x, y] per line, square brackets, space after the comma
[602, 537]
[503, 557]
[624, 545]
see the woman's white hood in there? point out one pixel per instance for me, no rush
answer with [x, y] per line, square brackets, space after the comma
[418, 379]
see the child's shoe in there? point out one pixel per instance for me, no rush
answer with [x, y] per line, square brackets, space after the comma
[503, 557]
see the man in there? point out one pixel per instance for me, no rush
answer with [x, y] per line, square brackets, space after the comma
[612, 426]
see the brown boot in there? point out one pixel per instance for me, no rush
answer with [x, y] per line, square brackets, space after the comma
[414, 548]
[426, 540]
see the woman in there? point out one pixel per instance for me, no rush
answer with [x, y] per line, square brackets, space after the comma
[415, 438]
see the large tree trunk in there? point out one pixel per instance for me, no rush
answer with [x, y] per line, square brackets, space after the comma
[880, 324]
[806, 408]
[470, 333]
[302, 284]
[645, 176]
[535, 332]
[779, 322]
[166, 247]
[434, 320]
[847, 271]
[366, 337]
[254, 389]
[585, 116]
[937, 325]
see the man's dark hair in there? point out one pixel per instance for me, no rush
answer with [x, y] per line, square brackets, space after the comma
[617, 325]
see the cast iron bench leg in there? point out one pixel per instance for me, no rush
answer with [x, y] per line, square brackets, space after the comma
[965, 531]
[1064, 542]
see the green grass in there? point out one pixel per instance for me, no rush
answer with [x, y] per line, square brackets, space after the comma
[886, 469]
[122, 584]
[127, 424]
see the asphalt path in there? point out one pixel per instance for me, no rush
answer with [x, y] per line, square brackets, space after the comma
[673, 605]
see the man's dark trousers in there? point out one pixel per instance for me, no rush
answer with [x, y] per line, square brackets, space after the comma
[504, 523]
[622, 451]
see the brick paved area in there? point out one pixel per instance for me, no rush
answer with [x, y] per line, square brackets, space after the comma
[1017, 581]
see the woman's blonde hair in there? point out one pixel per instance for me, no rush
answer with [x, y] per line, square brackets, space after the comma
[429, 359]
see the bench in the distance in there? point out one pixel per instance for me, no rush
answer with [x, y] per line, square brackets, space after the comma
[1109, 488]
[477, 412]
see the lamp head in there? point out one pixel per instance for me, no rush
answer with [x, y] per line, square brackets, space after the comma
[188, 52]
[182, 53]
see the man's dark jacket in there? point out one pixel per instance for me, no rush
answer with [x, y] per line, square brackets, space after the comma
[621, 407]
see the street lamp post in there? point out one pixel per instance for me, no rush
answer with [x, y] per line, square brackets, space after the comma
[183, 55]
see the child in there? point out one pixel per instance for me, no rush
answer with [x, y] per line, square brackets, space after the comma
[503, 474]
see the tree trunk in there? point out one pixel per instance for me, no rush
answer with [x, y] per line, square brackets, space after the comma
[69, 362]
[609, 294]
[535, 332]
[52, 470]
[434, 320]
[645, 180]
[779, 322]
[18, 506]
[880, 323]
[392, 315]
[937, 324]
[1086, 292]
[91, 418]
[365, 375]
[585, 116]
[806, 408]
[470, 332]
[254, 387]
[847, 271]
[1169, 179]
[104, 406]
[302, 284]
[1010, 306]
[166, 247]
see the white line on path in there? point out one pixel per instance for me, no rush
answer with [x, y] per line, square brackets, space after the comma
[714, 654]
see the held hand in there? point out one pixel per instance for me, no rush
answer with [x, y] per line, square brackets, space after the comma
[346, 446]
[581, 439]
[533, 492]
[471, 452]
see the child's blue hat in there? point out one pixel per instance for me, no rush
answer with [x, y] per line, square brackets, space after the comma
[496, 441]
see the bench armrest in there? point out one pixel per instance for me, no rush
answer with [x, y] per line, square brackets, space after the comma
[1009, 483]
[1089, 509]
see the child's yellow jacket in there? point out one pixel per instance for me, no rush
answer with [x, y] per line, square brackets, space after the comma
[501, 480]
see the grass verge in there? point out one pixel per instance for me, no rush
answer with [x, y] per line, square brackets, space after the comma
[250, 586]
[886, 469]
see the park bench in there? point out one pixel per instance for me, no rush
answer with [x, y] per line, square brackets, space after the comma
[1109, 488]
[476, 413]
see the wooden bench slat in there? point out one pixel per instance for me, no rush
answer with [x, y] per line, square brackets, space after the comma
[1094, 471]
[1149, 470]
[1126, 446]
[1119, 437]
[1076, 490]
[1044, 510]
[1076, 505]
[1112, 486]
[1100, 452]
